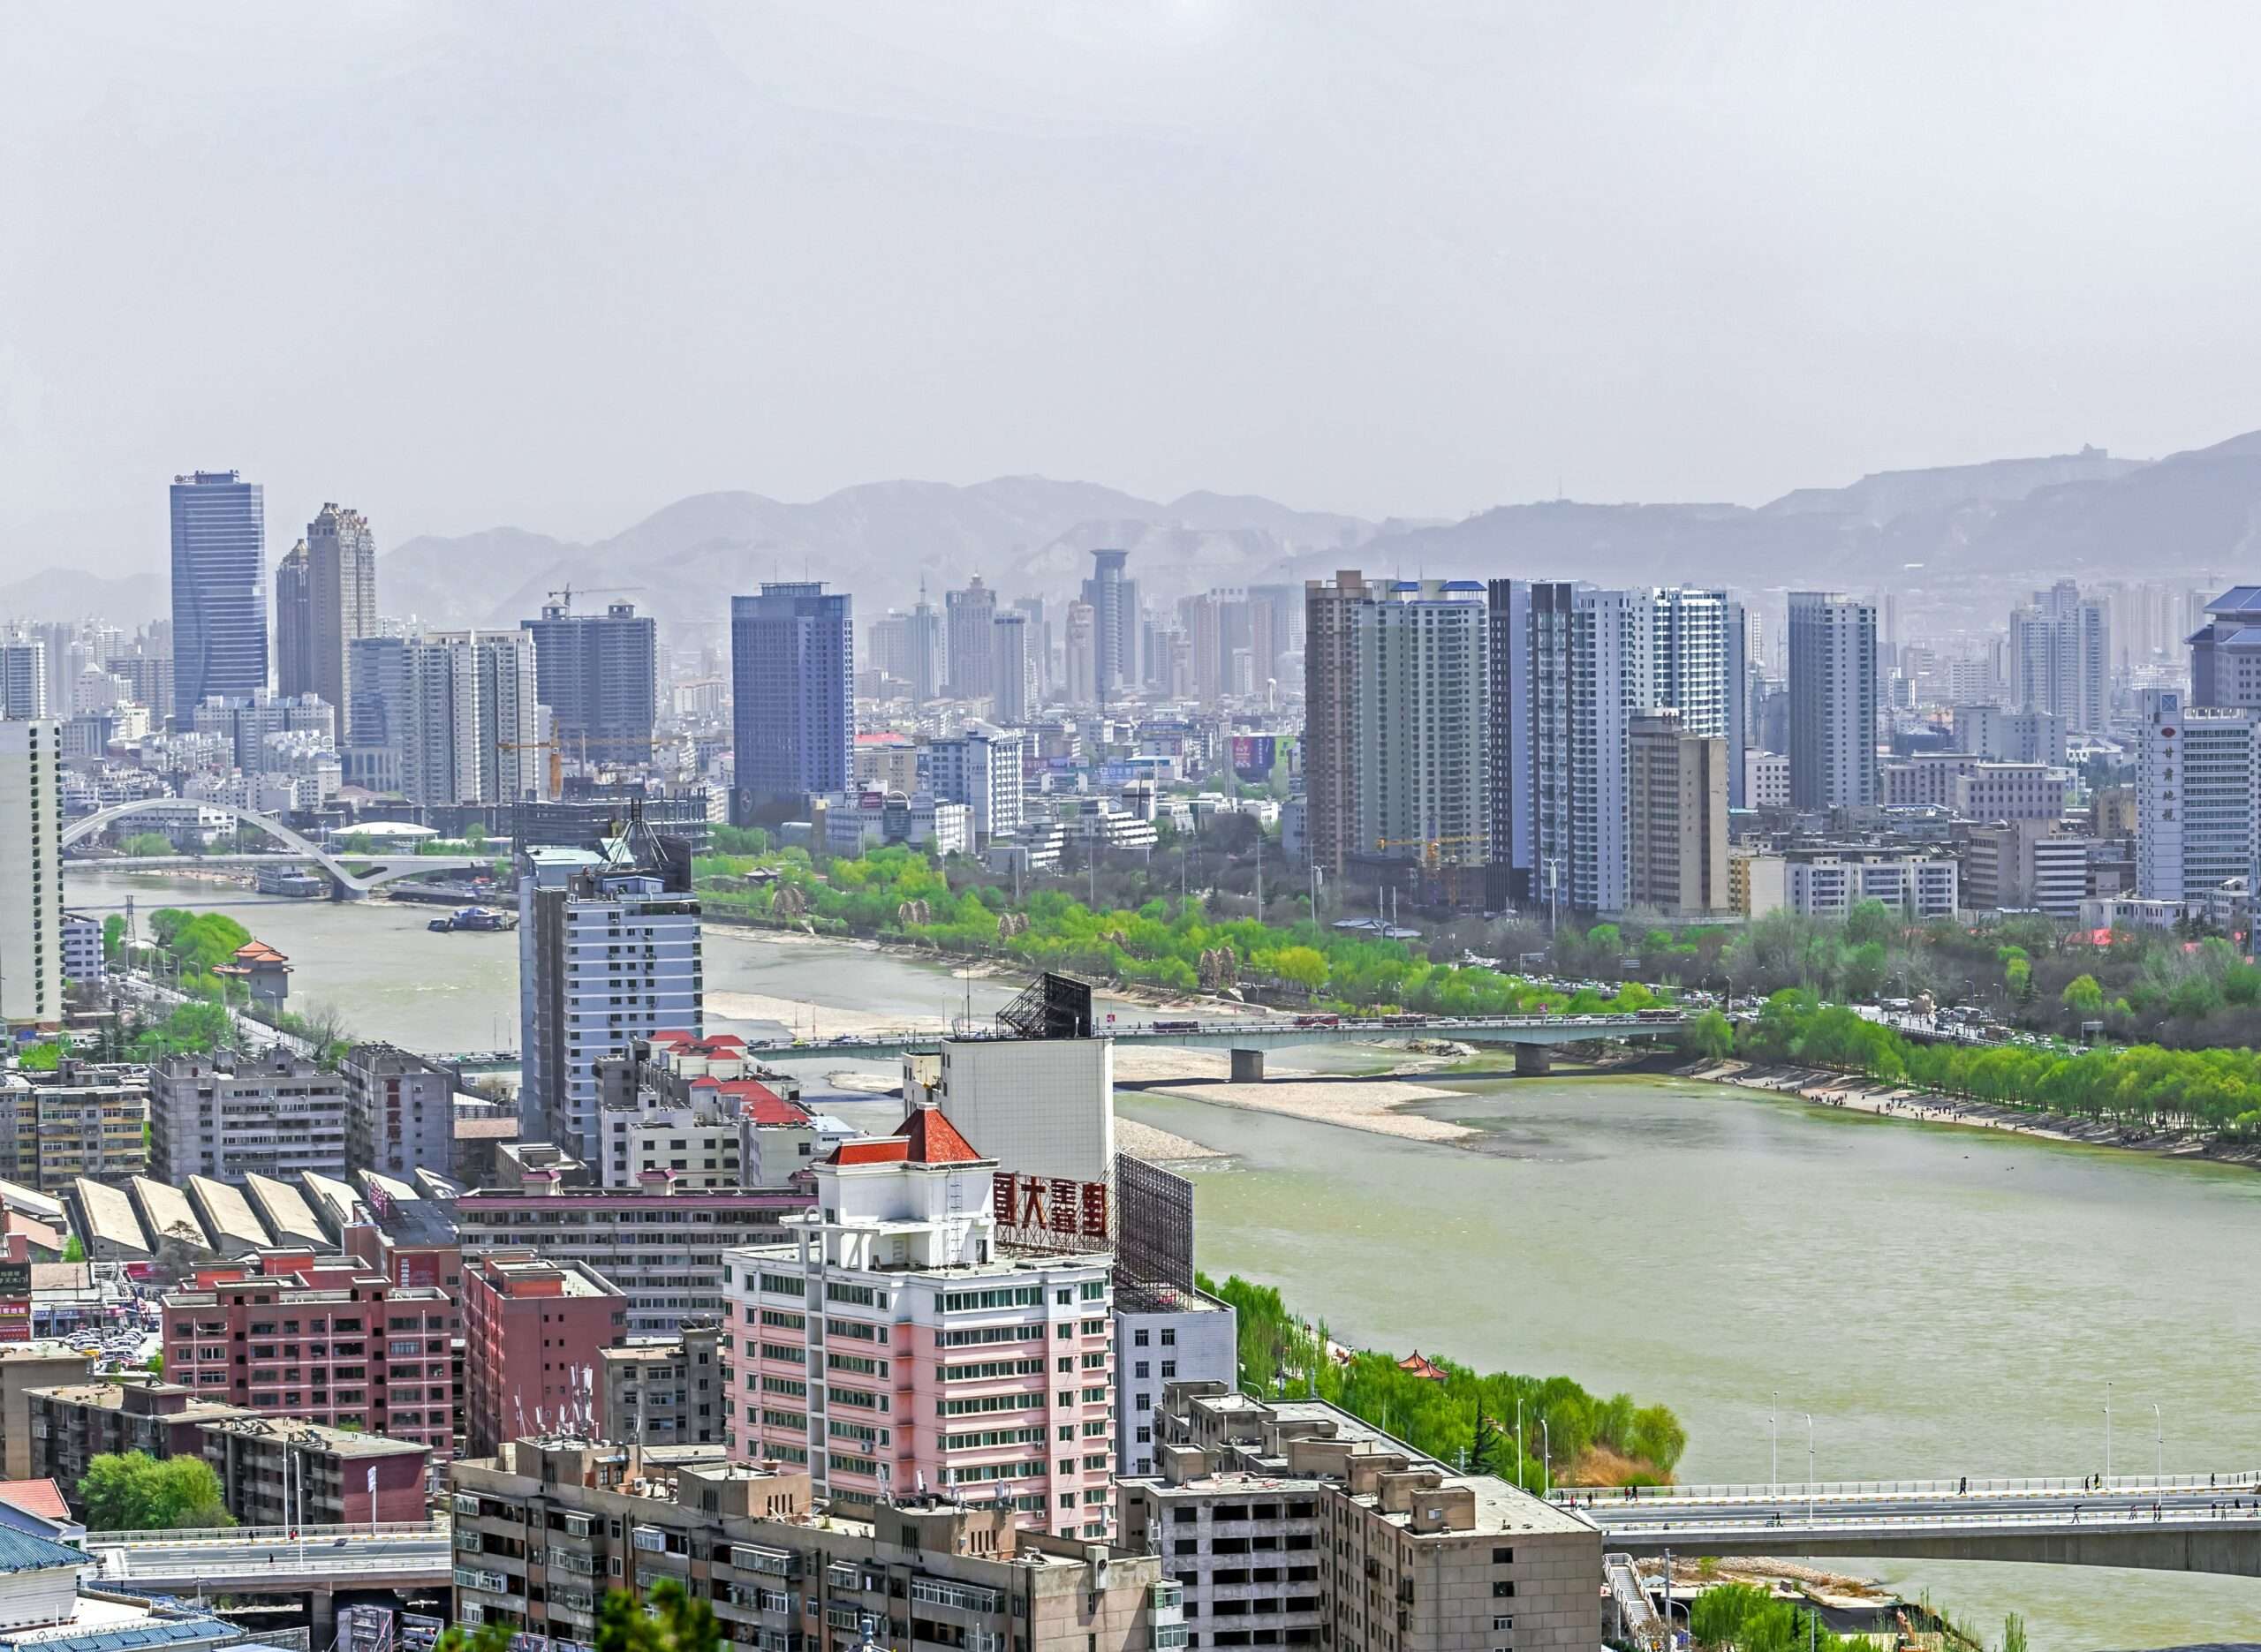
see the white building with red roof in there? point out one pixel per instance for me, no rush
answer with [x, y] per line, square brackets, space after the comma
[893, 1343]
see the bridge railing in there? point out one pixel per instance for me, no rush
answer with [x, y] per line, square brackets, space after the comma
[1253, 1026]
[239, 1536]
[1871, 1524]
[2246, 1480]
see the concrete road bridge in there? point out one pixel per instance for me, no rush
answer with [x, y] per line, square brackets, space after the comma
[2178, 1523]
[380, 868]
[315, 1562]
[1533, 1037]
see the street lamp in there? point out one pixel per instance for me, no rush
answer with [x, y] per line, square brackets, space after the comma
[1809, 1470]
[1546, 1459]
[1519, 1484]
[1774, 1447]
[2158, 1443]
[2107, 1437]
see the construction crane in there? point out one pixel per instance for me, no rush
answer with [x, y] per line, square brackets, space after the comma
[1429, 845]
[556, 750]
[564, 595]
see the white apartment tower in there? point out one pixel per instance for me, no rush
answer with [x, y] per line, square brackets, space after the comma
[1832, 701]
[31, 870]
[608, 952]
[471, 724]
[1423, 683]
[1597, 660]
[2060, 658]
[981, 769]
[2198, 779]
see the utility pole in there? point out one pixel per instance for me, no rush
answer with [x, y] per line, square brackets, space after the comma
[1259, 871]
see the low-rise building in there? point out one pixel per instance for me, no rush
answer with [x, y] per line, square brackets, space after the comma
[665, 1393]
[1830, 882]
[231, 1117]
[1297, 1523]
[544, 1528]
[1164, 1334]
[533, 1330]
[24, 1367]
[283, 1471]
[662, 1245]
[73, 1423]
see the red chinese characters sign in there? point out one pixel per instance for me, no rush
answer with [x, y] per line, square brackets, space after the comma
[1049, 1204]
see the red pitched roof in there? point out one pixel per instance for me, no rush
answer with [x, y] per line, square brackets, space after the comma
[886, 1149]
[934, 1140]
[756, 1100]
[43, 1497]
[1422, 1367]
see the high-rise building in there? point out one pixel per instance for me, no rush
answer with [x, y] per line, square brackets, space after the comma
[1331, 716]
[31, 870]
[23, 677]
[1081, 649]
[972, 655]
[469, 726]
[1509, 716]
[1421, 686]
[1596, 660]
[1014, 676]
[2060, 658]
[926, 658]
[598, 674]
[1677, 816]
[247, 720]
[792, 678]
[984, 769]
[1114, 601]
[887, 647]
[2225, 651]
[925, 1315]
[219, 588]
[608, 952]
[1832, 701]
[374, 733]
[2197, 796]
[294, 623]
[341, 597]
[1039, 642]
[535, 1331]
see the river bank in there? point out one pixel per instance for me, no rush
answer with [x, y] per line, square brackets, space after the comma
[1823, 1088]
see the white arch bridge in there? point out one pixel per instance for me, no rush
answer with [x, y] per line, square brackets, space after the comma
[382, 869]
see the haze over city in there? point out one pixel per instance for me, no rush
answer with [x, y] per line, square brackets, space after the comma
[554, 266]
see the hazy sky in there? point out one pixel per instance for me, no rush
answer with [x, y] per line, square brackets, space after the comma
[555, 264]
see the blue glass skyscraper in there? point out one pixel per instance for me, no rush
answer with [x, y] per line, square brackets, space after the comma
[219, 588]
[792, 686]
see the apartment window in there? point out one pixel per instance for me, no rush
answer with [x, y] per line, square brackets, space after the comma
[1504, 1589]
[1138, 1338]
[1503, 1557]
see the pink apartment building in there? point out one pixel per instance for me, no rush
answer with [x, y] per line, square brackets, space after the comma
[892, 1346]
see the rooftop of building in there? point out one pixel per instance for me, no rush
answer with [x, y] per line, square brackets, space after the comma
[43, 1497]
[113, 1397]
[1005, 1264]
[525, 1274]
[315, 1436]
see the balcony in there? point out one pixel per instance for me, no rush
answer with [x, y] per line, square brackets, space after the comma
[777, 1563]
[965, 1598]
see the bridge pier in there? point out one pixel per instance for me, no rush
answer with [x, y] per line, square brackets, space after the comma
[1534, 1061]
[1248, 1066]
[322, 1616]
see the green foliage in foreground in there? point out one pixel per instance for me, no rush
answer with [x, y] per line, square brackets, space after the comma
[1744, 1618]
[2214, 1090]
[132, 1492]
[1467, 1417]
[673, 1623]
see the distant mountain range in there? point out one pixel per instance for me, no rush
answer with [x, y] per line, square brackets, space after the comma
[2084, 513]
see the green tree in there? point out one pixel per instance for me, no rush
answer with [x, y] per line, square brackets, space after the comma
[474, 837]
[489, 1637]
[2084, 996]
[1710, 1034]
[74, 1249]
[142, 843]
[675, 1622]
[41, 1057]
[133, 1491]
[113, 937]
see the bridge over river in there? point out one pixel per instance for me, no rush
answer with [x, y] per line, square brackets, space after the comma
[1533, 1037]
[2175, 1523]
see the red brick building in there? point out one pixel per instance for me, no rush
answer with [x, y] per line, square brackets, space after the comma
[288, 1334]
[534, 1332]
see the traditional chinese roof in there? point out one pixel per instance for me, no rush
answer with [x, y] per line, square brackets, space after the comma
[1422, 1367]
[934, 1140]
